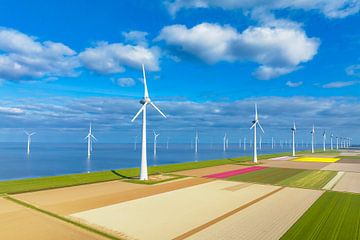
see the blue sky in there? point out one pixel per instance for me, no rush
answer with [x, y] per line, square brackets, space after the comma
[64, 64]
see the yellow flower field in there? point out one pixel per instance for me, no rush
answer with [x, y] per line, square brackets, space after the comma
[316, 159]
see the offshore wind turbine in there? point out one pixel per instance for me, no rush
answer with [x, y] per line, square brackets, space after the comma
[196, 141]
[324, 141]
[29, 141]
[331, 141]
[260, 142]
[167, 143]
[155, 142]
[224, 144]
[293, 129]
[337, 143]
[145, 102]
[272, 143]
[244, 143]
[240, 143]
[135, 143]
[90, 137]
[312, 138]
[255, 123]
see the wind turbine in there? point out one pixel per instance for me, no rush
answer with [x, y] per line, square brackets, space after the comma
[256, 122]
[293, 129]
[89, 138]
[272, 143]
[312, 138]
[260, 142]
[337, 143]
[29, 141]
[331, 141]
[167, 143]
[224, 139]
[240, 143]
[155, 142]
[196, 141]
[135, 143]
[244, 143]
[145, 101]
[324, 141]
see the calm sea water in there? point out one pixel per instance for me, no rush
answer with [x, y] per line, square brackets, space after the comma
[48, 159]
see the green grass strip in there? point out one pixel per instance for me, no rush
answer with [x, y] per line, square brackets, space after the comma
[86, 227]
[267, 176]
[309, 179]
[43, 183]
[334, 215]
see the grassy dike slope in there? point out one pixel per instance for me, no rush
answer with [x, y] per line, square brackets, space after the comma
[35, 184]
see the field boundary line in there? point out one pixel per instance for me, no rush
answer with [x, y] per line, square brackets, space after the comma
[333, 181]
[64, 219]
[226, 215]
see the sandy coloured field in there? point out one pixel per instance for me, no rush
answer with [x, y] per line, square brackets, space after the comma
[296, 165]
[284, 158]
[170, 214]
[80, 198]
[345, 167]
[210, 170]
[350, 182]
[18, 222]
[267, 219]
[349, 160]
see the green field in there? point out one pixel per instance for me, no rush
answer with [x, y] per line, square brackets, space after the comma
[268, 175]
[35, 184]
[334, 215]
[309, 179]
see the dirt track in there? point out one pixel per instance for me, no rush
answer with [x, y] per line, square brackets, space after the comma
[18, 222]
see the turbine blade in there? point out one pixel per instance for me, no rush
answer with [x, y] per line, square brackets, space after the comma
[253, 125]
[26, 133]
[94, 137]
[260, 127]
[138, 113]
[158, 109]
[146, 93]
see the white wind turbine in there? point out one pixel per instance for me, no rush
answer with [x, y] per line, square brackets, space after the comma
[196, 141]
[224, 145]
[293, 129]
[312, 138]
[29, 141]
[155, 142]
[324, 141]
[256, 122]
[260, 142]
[145, 101]
[89, 138]
[135, 142]
[272, 143]
[331, 141]
[337, 143]
[244, 143]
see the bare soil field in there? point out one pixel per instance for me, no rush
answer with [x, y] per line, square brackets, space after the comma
[267, 219]
[210, 170]
[18, 222]
[296, 165]
[168, 215]
[344, 167]
[69, 200]
[350, 182]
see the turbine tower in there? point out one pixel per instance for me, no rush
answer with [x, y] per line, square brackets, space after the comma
[256, 122]
[29, 141]
[331, 141]
[260, 142]
[224, 147]
[155, 142]
[272, 143]
[293, 129]
[196, 141]
[337, 143]
[145, 101]
[312, 138]
[90, 137]
[244, 143]
[324, 141]
[135, 142]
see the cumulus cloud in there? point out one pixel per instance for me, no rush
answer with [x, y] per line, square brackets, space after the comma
[136, 37]
[353, 70]
[107, 58]
[340, 84]
[126, 82]
[294, 84]
[24, 57]
[278, 50]
[330, 8]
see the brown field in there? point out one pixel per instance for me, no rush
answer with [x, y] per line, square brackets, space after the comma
[345, 167]
[170, 214]
[350, 182]
[18, 222]
[69, 200]
[210, 170]
[267, 219]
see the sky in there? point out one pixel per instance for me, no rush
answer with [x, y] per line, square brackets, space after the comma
[64, 64]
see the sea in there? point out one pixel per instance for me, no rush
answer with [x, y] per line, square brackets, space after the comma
[50, 159]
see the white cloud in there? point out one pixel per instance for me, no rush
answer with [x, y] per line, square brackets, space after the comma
[340, 84]
[330, 8]
[294, 84]
[136, 37]
[24, 57]
[107, 58]
[278, 50]
[353, 70]
[126, 82]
